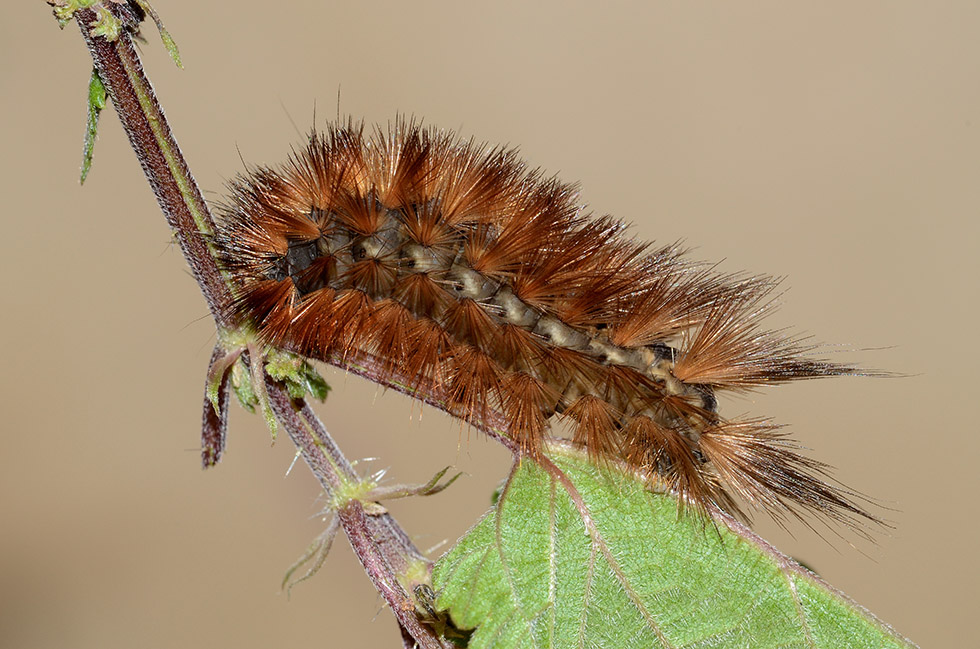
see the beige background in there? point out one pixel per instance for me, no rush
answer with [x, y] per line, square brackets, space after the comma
[834, 143]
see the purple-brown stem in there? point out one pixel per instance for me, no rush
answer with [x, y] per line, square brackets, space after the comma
[382, 547]
[149, 134]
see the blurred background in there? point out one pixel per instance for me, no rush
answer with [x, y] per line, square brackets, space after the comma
[832, 143]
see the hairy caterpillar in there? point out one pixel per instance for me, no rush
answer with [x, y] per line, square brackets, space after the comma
[464, 273]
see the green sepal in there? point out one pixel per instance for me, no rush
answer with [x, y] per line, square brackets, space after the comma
[168, 41]
[171, 45]
[241, 383]
[96, 102]
[313, 558]
[247, 383]
[216, 376]
[300, 377]
[213, 391]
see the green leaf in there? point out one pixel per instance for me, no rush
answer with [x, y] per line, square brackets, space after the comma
[584, 556]
[96, 102]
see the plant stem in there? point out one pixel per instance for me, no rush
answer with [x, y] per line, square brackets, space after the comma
[382, 547]
[149, 134]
